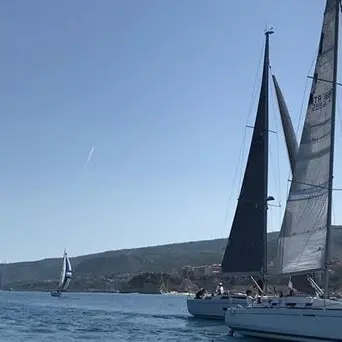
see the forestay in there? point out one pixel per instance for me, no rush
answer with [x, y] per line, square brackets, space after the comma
[302, 241]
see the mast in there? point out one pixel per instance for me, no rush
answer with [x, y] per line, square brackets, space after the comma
[331, 159]
[246, 251]
[265, 89]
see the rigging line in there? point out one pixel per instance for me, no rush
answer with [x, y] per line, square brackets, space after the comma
[239, 166]
[276, 171]
[340, 122]
[276, 109]
[301, 113]
[278, 158]
[339, 119]
[337, 97]
[256, 83]
[338, 109]
[276, 118]
[274, 180]
[333, 214]
[232, 188]
[254, 97]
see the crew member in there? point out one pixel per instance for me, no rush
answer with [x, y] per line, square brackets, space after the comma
[219, 289]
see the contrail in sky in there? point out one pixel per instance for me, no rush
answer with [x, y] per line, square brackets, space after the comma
[89, 157]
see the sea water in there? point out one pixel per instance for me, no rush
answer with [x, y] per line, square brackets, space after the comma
[36, 316]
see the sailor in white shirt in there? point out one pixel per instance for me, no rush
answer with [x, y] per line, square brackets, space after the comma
[219, 289]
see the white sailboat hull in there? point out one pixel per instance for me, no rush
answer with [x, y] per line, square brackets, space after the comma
[213, 307]
[296, 319]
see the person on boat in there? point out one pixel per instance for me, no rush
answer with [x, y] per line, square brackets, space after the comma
[219, 289]
[249, 297]
[258, 299]
[200, 294]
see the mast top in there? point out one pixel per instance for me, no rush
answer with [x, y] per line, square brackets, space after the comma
[269, 32]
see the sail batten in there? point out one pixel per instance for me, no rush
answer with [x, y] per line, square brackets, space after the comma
[246, 251]
[302, 241]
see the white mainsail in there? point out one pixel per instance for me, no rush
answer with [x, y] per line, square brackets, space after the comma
[66, 274]
[302, 241]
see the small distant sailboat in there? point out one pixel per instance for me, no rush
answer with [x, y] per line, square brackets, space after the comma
[65, 279]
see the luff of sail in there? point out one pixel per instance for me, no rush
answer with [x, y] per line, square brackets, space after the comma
[246, 249]
[302, 241]
[66, 274]
[289, 133]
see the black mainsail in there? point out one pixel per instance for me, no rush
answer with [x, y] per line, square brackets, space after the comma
[246, 251]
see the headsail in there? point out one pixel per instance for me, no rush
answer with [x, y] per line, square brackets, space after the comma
[66, 274]
[302, 240]
[289, 133]
[246, 249]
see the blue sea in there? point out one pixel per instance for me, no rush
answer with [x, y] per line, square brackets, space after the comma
[35, 316]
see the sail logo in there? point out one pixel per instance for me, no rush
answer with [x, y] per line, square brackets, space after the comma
[320, 101]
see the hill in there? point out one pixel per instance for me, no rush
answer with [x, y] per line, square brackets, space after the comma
[164, 258]
[129, 262]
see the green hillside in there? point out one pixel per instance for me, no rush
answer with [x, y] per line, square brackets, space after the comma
[166, 258]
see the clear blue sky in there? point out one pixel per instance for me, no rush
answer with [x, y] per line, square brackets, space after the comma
[162, 89]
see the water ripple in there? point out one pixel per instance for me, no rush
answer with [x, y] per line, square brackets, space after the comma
[102, 317]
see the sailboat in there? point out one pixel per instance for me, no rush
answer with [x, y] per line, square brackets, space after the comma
[304, 244]
[246, 251]
[65, 278]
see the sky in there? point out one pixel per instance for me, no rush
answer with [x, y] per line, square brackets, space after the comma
[159, 93]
